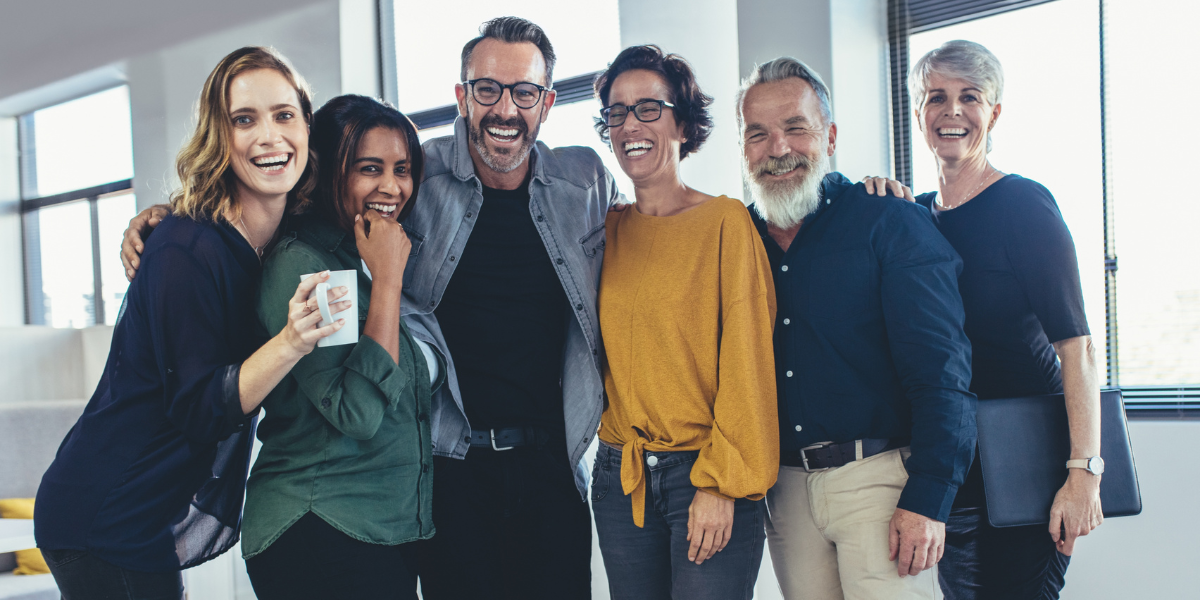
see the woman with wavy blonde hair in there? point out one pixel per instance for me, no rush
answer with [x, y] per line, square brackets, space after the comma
[151, 478]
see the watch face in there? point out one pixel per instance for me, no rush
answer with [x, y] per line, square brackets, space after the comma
[1096, 465]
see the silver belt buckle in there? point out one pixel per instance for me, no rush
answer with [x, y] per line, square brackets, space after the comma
[804, 457]
[493, 432]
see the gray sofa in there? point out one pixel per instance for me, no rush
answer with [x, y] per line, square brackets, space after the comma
[46, 377]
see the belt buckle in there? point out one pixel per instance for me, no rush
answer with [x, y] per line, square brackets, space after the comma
[804, 457]
[493, 432]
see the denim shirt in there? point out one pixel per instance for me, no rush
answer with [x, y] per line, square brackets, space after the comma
[570, 192]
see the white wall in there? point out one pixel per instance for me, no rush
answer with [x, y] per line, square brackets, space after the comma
[1152, 555]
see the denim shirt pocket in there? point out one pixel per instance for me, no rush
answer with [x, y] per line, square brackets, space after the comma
[593, 241]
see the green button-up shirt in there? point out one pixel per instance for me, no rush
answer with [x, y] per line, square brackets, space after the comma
[346, 434]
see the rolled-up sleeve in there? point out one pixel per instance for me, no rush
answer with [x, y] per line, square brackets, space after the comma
[351, 385]
[924, 316]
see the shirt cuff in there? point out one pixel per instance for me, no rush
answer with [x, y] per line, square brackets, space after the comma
[716, 493]
[928, 496]
[374, 364]
[235, 421]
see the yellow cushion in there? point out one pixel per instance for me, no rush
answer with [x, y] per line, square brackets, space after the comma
[29, 562]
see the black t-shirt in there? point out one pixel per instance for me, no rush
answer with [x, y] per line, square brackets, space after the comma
[1019, 285]
[504, 316]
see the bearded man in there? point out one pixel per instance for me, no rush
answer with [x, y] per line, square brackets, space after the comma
[877, 426]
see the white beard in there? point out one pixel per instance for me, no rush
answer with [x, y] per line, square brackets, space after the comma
[786, 204]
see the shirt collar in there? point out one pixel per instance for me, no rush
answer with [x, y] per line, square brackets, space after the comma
[464, 167]
[832, 187]
[326, 235]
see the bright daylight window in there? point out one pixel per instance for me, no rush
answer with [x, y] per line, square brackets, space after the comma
[1052, 131]
[1151, 157]
[1048, 130]
[585, 38]
[77, 197]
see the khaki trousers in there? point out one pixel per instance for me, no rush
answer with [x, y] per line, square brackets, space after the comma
[828, 532]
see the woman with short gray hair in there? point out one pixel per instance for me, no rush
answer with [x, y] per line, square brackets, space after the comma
[1025, 319]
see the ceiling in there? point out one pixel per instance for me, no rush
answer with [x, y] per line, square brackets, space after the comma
[43, 41]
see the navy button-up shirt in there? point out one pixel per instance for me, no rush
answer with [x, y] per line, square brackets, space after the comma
[869, 338]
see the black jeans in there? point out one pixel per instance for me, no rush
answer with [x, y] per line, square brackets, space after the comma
[82, 576]
[313, 559]
[510, 524]
[982, 562]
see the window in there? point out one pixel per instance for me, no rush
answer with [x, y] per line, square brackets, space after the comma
[1115, 165]
[76, 198]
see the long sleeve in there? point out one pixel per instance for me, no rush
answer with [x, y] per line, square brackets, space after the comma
[924, 318]
[351, 385]
[187, 322]
[742, 457]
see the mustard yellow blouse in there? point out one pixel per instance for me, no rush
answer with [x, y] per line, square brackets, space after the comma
[687, 307]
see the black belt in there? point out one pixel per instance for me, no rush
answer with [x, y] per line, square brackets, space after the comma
[829, 456]
[508, 438]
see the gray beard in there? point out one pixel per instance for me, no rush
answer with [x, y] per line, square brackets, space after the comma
[504, 161]
[786, 204]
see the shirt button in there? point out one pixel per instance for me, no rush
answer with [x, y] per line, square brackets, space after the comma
[452, 258]
[799, 428]
[467, 439]
[783, 268]
[424, 468]
[652, 461]
[431, 303]
[578, 307]
[787, 321]
[558, 261]
[325, 403]
[539, 218]
[421, 417]
[468, 215]
[789, 373]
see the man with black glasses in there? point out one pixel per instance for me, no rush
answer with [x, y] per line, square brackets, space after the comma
[507, 247]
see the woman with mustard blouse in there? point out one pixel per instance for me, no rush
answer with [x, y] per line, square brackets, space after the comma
[689, 436]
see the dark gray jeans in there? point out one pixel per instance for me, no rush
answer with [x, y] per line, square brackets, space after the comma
[651, 562]
[82, 576]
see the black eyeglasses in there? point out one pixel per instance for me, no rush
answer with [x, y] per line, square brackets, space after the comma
[488, 91]
[645, 111]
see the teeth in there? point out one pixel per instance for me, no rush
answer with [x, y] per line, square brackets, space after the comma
[496, 131]
[272, 163]
[385, 209]
[781, 172]
[953, 131]
[637, 148]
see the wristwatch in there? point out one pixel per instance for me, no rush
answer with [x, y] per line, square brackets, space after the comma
[1093, 465]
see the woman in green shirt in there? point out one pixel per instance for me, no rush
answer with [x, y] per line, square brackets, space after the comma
[343, 480]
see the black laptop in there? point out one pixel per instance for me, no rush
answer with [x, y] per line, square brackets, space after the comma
[1024, 447]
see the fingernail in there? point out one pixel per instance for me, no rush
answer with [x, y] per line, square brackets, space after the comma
[357, 218]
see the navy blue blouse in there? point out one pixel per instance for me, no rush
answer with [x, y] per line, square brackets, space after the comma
[152, 476]
[869, 338]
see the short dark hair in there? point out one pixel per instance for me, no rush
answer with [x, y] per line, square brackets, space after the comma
[691, 104]
[512, 30]
[338, 128]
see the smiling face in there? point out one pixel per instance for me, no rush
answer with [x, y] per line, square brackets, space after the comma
[786, 146]
[270, 137]
[956, 118]
[645, 151]
[380, 174]
[503, 134]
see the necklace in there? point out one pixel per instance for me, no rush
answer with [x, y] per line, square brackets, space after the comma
[257, 249]
[966, 197]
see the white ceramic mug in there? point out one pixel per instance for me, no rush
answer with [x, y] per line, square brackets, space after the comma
[348, 334]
